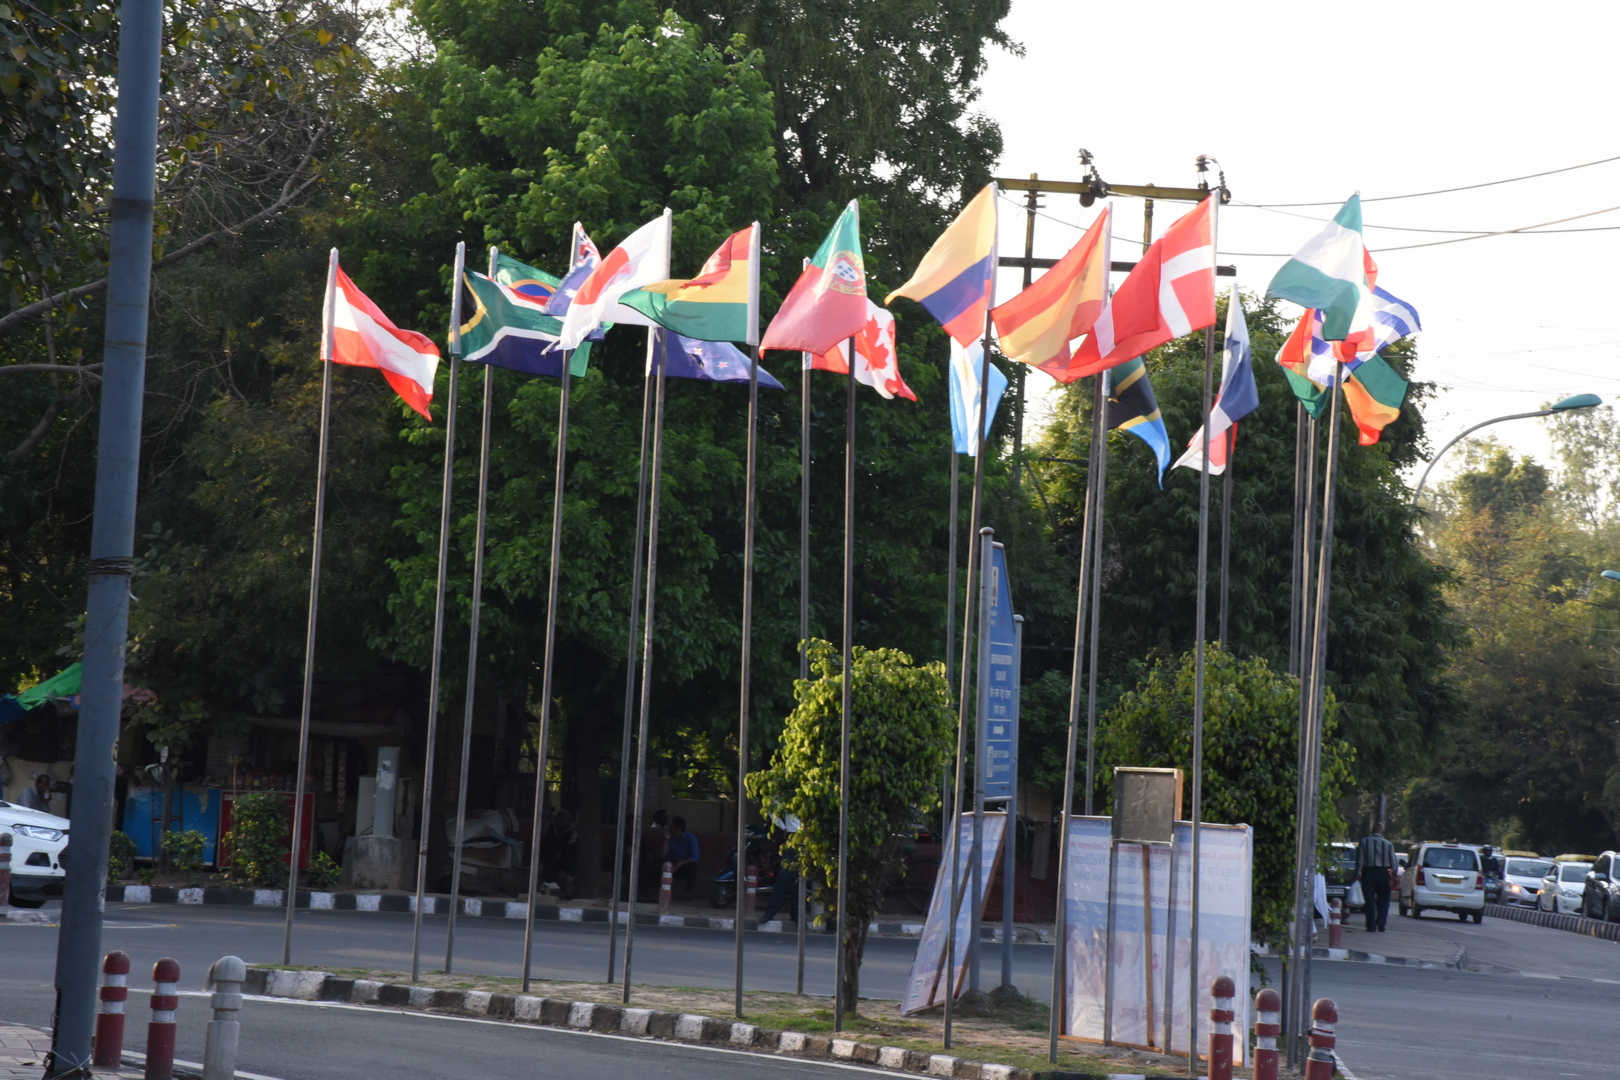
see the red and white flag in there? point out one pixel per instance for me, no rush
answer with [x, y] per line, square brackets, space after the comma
[876, 361]
[640, 259]
[362, 336]
[1169, 294]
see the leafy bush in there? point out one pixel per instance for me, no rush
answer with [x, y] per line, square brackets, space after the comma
[120, 855]
[184, 850]
[258, 840]
[323, 871]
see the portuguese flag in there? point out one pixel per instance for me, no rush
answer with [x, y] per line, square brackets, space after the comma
[828, 303]
[720, 304]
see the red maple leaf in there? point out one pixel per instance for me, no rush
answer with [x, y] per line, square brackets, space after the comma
[877, 354]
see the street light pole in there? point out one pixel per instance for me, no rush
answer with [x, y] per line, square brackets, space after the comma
[1578, 401]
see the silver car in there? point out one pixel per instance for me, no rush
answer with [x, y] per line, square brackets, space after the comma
[1521, 879]
[1562, 886]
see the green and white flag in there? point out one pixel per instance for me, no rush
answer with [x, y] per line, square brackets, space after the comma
[1330, 273]
[504, 327]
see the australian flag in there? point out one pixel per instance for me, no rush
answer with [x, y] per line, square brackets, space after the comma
[1133, 408]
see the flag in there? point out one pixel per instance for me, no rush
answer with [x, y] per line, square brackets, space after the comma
[527, 281]
[711, 361]
[640, 258]
[1169, 294]
[875, 358]
[967, 361]
[720, 304]
[1391, 319]
[1237, 398]
[1374, 393]
[582, 259]
[828, 303]
[510, 329]
[1295, 359]
[1331, 273]
[1036, 326]
[954, 282]
[1133, 408]
[362, 336]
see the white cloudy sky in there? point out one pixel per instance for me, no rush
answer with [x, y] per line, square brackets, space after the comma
[1310, 103]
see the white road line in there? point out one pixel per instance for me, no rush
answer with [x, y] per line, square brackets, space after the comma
[140, 1059]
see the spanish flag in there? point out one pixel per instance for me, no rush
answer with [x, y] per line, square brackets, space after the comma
[953, 283]
[720, 304]
[1036, 326]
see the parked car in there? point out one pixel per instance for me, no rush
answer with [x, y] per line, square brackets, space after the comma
[39, 847]
[1443, 877]
[1561, 887]
[1600, 893]
[1340, 874]
[1521, 879]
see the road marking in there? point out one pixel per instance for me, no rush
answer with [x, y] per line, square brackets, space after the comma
[538, 1028]
[140, 1058]
[112, 925]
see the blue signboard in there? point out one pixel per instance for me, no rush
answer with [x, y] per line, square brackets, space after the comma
[998, 697]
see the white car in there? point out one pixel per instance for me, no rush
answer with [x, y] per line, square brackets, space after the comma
[1562, 887]
[1521, 879]
[39, 844]
[1444, 877]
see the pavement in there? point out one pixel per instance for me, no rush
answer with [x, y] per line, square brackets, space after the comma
[23, 1050]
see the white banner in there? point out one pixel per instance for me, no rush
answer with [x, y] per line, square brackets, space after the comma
[923, 987]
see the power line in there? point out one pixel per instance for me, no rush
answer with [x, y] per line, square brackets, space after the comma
[1439, 191]
[1420, 228]
[1522, 230]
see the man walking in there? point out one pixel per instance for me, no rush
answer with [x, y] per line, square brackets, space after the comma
[1375, 866]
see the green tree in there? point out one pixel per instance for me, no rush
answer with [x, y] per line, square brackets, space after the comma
[900, 734]
[1251, 728]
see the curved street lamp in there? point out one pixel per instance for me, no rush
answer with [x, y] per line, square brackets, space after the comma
[1577, 401]
[1612, 575]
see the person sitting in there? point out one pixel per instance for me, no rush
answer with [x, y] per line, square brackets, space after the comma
[38, 797]
[683, 855]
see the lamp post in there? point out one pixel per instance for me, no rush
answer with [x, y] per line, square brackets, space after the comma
[1612, 575]
[1577, 401]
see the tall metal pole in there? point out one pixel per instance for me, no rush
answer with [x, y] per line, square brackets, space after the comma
[748, 604]
[472, 643]
[1226, 539]
[846, 695]
[804, 628]
[1304, 857]
[1098, 480]
[1198, 704]
[1009, 860]
[946, 808]
[434, 663]
[112, 531]
[630, 662]
[327, 349]
[1294, 553]
[646, 673]
[547, 664]
[987, 539]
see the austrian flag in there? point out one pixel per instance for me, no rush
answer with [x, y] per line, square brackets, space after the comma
[357, 333]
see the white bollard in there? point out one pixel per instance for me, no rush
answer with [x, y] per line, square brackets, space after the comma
[225, 978]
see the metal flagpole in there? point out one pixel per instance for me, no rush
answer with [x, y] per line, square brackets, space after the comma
[646, 668]
[846, 694]
[435, 665]
[987, 539]
[1009, 861]
[549, 655]
[472, 634]
[1299, 498]
[946, 808]
[1099, 498]
[804, 624]
[1060, 929]
[1304, 861]
[1230, 436]
[630, 663]
[327, 349]
[748, 597]
[973, 569]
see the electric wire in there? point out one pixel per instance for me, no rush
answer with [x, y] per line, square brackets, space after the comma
[1437, 191]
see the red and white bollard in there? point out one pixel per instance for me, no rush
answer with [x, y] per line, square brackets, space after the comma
[109, 1041]
[1336, 922]
[5, 875]
[753, 890]
[160, 1032]
[1324, 1018]
[1221, 1015]
[1267, 1026]
[666, 888]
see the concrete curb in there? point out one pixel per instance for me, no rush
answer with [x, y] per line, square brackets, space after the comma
[481, 908]
[627, 1020]
[1575, 924]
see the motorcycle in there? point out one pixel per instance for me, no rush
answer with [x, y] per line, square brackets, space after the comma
[761, 856]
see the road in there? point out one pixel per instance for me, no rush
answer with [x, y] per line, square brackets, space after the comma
[1529, 1000]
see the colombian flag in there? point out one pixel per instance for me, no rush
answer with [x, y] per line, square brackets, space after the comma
[720, 304]
[953, 282]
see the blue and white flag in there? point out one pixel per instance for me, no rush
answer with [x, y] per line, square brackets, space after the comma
[1237, 399]
[966, 363]
[1392, 319]
[709, 361]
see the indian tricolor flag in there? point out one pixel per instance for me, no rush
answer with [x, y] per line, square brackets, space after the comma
[356, 332]
[1330, 273]
[720, 304]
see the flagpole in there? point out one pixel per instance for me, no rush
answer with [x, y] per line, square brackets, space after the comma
[1230, 435]
[630, 662]
[1099, 499]
[946, 807]
[327, 348]
[748, 598]
[804, 619]
[1299, 497]
[974, 513]
[1304, 863]
[646, 668]
[547, 662]
[434, 666]
[1060, 929]
[846, 695]
[472, 631]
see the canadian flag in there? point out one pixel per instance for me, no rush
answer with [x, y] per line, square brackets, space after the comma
[362, 336]
[1169, 294]
[876, 362]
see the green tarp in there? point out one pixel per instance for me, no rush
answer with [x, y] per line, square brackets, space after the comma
[61, 685]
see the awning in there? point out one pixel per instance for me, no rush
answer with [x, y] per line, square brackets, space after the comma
[59, 687]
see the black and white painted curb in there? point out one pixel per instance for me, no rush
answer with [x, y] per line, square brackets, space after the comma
[478, 908]
[1575, 924]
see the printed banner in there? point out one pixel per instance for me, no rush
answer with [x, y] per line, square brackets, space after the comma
[923, 987]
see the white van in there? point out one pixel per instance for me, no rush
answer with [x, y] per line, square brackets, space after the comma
[1443, 877]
